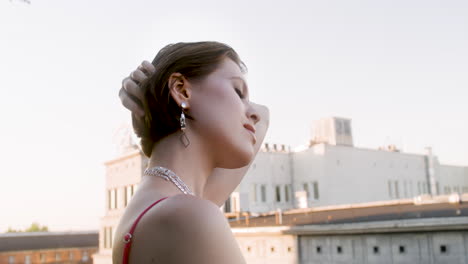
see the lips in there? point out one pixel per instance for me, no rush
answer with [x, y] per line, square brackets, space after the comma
[249, 127]
[251, 130]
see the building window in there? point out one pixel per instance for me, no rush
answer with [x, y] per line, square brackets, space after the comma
[227, 205]
[397, 192]
[316, 190]
[402, 249]
[253, 192]
[70, 255]
[127, 195]
[319, 249]
[347, 128]
[443, 249]
[376, 250]
[11, 259]
[109, 199]
[129, 191]
[263, 192]
[110, 238]
[58, 257]
[339, 128]
[419, 188]
[27, 259]
[112, 198]
[42, 257]
[339, 250]
[306, 189]
[85, 256]
[390, 193]
[235, 204]
[278, 193]
[107, 237]
[286, 192]
[405, 189]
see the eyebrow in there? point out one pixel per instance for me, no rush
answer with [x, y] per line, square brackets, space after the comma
[246, 89]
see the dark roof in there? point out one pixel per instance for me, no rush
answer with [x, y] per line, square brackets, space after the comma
[376, 212]
[47, 240]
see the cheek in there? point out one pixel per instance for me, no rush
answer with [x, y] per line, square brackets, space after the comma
[219, 116]
[220, 105]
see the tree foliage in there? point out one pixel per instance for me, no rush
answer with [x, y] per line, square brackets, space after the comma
[35, 227]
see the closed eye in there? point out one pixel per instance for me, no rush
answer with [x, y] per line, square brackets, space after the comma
[239, 93]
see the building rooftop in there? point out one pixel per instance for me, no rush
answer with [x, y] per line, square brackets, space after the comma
[441, 206]
[47, 240]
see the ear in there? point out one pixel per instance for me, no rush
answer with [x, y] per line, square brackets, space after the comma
[179, 88]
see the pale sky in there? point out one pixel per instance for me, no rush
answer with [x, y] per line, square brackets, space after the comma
[397, 68]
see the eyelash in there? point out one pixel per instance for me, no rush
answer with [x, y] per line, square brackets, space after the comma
[239, 93]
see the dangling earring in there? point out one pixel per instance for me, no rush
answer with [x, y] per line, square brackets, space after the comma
[183, 138]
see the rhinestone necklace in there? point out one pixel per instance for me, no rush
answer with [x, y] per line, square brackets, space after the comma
[168, 175]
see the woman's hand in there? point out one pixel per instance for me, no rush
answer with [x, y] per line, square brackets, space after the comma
[223, 181]
[130, 94]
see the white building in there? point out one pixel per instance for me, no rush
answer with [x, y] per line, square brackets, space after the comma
[329, 171]
[332, 171]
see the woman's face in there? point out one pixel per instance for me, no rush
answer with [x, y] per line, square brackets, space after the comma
[220, 105]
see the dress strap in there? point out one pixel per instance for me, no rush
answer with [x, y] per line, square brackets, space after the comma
[128, 237]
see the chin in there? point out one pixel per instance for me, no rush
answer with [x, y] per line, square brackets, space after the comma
[241, 159]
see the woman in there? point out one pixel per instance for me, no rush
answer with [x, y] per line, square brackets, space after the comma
[191, 109]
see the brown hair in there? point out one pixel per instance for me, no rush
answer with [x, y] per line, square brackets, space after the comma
[194, 60]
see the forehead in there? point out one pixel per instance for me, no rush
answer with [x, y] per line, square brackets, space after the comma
[228, 68]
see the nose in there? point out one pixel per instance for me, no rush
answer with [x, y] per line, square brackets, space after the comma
[253, 114]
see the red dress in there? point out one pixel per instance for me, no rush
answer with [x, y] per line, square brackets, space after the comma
[128, 237]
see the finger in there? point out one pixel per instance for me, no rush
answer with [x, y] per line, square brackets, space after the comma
[144, 70]
[148, 67]
[130, 104]
[261, 108]
[138, 125]
[138, 76]
[132, 88]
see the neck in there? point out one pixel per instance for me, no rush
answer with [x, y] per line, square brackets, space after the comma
[192, 164]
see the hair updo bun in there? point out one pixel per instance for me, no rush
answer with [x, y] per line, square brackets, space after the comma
[194, 60]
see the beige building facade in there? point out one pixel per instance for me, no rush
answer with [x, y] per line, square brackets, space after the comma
[443, 240]
[48, 247]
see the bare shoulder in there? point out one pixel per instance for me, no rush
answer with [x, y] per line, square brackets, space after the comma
[180, 207]
[194, 230]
